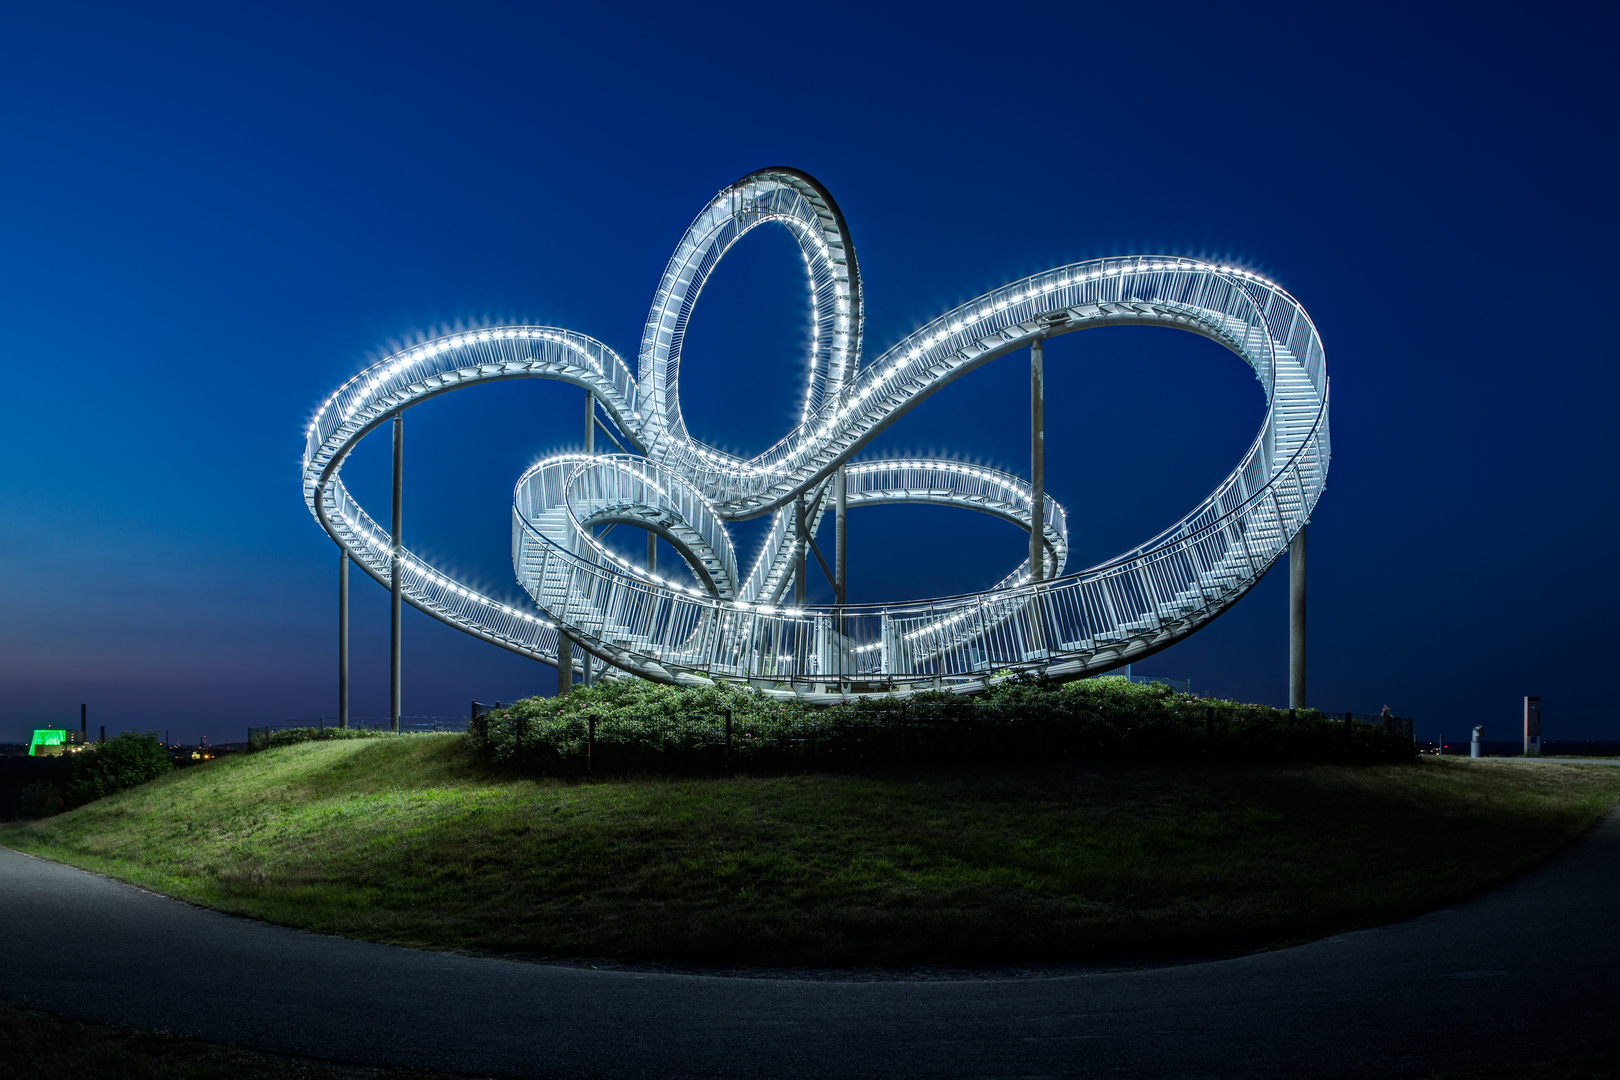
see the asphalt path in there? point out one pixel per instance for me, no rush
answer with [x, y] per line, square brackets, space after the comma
[1525, 971]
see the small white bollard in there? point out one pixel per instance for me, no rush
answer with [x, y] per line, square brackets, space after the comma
[1532, 727]
[1474, 750]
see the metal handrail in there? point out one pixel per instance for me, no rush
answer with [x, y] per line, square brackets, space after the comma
[1096, 618]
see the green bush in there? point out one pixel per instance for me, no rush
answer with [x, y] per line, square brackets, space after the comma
[39, 800]
[644, 726]
[638, 725]
[124, 761]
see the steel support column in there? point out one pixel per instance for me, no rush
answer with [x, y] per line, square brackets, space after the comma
[841, 567]
[343, 637]
[1296, 620]
[1037, 460]
[652, 552]
[840, 552]
[798, 551]
[396, 564]
[565, 664]
[586, 678]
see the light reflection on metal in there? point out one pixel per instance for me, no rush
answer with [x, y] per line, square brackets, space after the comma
[725, 624]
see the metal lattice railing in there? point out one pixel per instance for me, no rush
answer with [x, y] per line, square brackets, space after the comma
[727, 625]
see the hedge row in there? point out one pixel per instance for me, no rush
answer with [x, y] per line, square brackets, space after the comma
[264, 738]
[628, 725]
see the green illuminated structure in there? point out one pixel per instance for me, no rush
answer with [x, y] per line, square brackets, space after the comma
[46, 737]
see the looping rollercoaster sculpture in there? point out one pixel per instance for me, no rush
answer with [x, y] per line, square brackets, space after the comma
[729, 624]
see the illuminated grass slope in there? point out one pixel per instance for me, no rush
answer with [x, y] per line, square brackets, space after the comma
[403, 839]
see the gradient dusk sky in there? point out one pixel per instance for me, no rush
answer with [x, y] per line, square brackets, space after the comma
[212, 215]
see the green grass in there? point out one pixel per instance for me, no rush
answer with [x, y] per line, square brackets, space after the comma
[405, 840]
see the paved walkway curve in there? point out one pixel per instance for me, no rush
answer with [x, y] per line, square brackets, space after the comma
[1528, 969]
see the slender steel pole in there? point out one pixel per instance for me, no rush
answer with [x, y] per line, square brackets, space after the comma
[652, 552]
[798, 551]
[396, 564]
[840, 564]
[590, 448]
[565, 664]
[1037, 460]
[840, 536]
[1296, 620]
[343, 637]
[590, 422]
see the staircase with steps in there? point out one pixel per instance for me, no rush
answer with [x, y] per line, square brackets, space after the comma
[721, 624]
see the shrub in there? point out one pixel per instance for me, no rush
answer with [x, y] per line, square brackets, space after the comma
[39, 800]
[124, 761]
[638, 725]
[1022, 720]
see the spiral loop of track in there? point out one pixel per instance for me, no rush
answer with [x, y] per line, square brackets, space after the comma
[729, 623]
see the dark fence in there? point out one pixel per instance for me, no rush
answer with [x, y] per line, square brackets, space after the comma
[1395, 725]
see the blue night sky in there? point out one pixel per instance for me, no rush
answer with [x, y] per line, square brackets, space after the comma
[211, 216]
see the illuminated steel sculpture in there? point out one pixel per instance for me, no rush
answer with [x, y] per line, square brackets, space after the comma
[731, 623]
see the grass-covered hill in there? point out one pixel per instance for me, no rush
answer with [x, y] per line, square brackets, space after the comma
[414, 840]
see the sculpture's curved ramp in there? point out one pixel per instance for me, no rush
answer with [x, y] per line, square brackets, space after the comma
[730, 626]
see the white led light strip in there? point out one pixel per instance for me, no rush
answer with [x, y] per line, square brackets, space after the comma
[723, 625]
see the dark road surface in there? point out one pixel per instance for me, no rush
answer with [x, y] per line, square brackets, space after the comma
[1531, 969]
